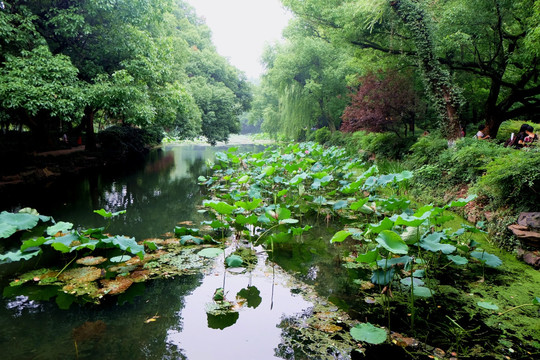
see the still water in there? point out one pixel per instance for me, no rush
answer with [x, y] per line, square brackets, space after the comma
[165, 319]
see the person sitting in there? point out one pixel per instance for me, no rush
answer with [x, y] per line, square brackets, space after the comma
[480, 134]
[531, 136]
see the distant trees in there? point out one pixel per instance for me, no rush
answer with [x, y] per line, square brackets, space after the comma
[479, 59]
[104, 62]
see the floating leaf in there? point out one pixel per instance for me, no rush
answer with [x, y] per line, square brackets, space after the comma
[91, 260]
[210, 252]
[108, 214]
[407, 281]
[119, 259]
[392, 242]
[366, 332]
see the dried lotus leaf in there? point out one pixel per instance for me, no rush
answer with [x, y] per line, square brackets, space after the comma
[91, 260]
[116, 286]
[82, 274]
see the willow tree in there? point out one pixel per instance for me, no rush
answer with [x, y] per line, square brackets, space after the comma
[309, 76]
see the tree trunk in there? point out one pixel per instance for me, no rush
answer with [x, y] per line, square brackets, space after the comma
[436, 78]
[90, 136]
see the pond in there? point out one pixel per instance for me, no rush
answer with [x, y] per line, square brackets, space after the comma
[352, 268]
[164, 319]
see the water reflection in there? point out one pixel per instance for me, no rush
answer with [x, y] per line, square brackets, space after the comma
[251, 331]
[168, 320]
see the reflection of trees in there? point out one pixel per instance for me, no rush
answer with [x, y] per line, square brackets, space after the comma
[126, 333]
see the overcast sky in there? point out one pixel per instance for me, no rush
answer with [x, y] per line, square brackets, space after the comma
[240, 29]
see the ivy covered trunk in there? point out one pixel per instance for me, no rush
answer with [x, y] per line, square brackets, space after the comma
[437, 79]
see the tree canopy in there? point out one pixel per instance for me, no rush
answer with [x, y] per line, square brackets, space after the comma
[70, 64]
[479, 61]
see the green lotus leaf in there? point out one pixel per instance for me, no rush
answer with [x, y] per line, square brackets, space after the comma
[210, 252]
[12, 222]
[487, 258]
[392, 242]
[366, 332]
[340, 236]
[234, 261]
[487, 305]
[60, 226]
[422, 291]
[458, 260]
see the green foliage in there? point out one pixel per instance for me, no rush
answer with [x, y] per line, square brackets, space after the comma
[386, 145]
[512, 180]
[426, 150]
[467, 160]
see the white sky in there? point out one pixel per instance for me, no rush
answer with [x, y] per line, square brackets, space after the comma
[241, 28]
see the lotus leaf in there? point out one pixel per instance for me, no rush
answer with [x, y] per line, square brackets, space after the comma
[340, 236]
[487, 258]
[82, 288]
[34, 275]
[119, 259]
[18, 256]
[139, 275]
[487, 305]
[458, 260]
[60, 226]
[12, 222]
[252, 296]
[210, 252]
[392, 242]
[116, 286]
[82, 274]
[234, 261]
[368, 333]
[91, 260]
[382, 277]
[422, 291]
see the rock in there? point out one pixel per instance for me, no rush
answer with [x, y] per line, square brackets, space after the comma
[531, 238]
[530, 219]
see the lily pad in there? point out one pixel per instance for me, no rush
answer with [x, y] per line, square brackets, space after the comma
[369, 333]
[210, 252]
[82, 274]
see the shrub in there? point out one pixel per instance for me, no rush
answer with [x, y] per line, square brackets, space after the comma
[513, 180]
[427, 150]
[467, 160]
[386, 145]
[322, 135]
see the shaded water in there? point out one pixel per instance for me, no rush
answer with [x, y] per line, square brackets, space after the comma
[167, 318]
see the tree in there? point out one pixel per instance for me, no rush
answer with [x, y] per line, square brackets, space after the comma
[40, 90]
[382, 102]
[485, 45]
[308, 76]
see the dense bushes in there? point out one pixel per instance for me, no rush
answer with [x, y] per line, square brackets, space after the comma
[512, 180]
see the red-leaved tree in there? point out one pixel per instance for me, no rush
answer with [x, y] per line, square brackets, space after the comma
[382, 102]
